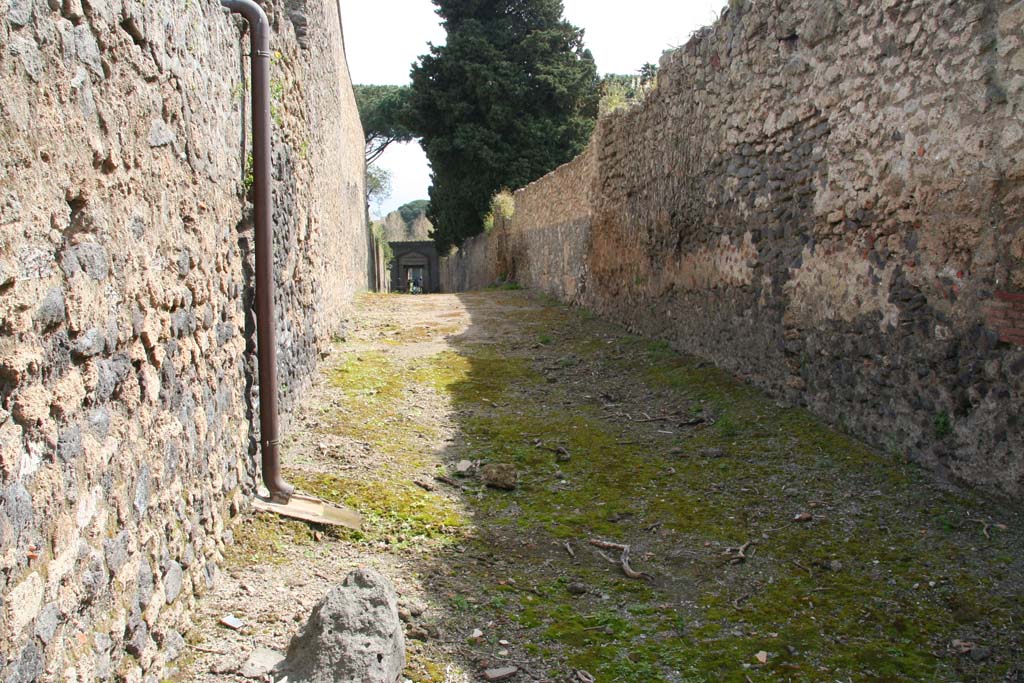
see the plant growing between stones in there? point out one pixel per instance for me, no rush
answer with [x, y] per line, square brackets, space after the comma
[276, 99]
[503, 205]
[247, 173]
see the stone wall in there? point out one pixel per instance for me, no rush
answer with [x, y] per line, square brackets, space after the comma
[546, 241]
[126, 334]
[825, 197]
[396, 229]
[473, 265]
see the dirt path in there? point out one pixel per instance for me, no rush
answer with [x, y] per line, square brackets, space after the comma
[777, 549]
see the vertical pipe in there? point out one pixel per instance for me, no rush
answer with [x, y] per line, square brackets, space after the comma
[259, 35]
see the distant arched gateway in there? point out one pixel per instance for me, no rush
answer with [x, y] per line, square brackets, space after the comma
[417, 263]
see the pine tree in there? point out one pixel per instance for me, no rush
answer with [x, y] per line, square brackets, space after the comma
[510, 96]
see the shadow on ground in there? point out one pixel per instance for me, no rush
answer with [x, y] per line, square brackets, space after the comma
[778, 549]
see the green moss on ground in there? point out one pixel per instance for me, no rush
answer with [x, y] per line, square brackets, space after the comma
[397, 512]
[874, 585]
[875, 579]
[372, 405]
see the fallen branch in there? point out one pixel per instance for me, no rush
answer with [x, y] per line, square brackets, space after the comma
[623, 558]
[806, 569]
[557, 450]
[985, 526]
[739, 554]
[660, 418]
[425, 485]
[447, 480]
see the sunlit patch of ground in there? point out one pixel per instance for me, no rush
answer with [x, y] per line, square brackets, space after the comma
[778, 548]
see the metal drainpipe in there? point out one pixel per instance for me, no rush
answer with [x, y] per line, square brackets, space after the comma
[259, 34]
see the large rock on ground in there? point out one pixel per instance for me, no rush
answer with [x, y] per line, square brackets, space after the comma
[353, 636]
[499, 476]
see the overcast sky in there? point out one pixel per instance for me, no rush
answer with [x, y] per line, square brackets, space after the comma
[384, 37]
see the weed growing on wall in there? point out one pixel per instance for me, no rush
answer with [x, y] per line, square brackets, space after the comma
[503, 205]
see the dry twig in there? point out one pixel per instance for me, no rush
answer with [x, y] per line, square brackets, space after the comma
[447, 480]
[623, 558]
[806, 569]
[659, 418]
[739, 554]
[985, 526]
[557, 450]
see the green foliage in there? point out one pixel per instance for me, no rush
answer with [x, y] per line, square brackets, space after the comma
[503, 204]
[248, 177]
[276, 99]
[511, 95]
[410, 211]
[621, 91]
[943, 425]
[378, 185]
[384, 112]
[377, 230]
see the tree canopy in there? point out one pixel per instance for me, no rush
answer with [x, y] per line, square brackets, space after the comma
[511, 95]
[384, 112]
[378, 185]
[619, 91]
[410, 210]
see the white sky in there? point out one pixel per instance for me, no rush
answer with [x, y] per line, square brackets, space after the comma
[384, 37]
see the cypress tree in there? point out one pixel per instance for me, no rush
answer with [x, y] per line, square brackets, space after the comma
[511, 95]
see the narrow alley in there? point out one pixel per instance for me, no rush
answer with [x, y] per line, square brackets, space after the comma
[763, 545]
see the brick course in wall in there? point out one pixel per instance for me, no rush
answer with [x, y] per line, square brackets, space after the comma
[1005, 315]
[127, 391]
[827, 198]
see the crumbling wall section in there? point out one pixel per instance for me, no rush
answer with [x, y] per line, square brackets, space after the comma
[126, 334]
[825, 197]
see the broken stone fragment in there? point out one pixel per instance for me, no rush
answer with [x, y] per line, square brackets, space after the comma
[499, 476]
[501, 674]
[232, 622]
[578, 588]
[353, 636]
[260, 662]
